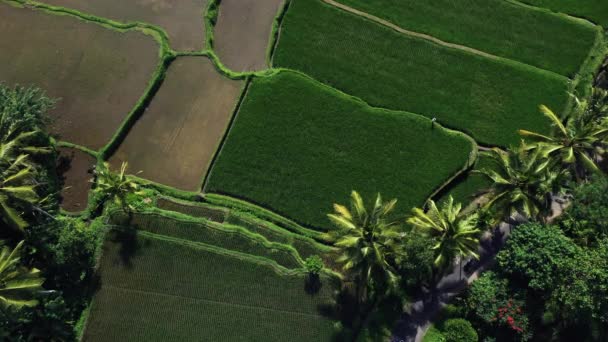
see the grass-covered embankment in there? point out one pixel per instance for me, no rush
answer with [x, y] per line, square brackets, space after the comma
[298, 146]
[502, 28]
[487, 98]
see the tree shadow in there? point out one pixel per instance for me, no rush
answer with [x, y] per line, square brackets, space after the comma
[312, 284]
[126, 236]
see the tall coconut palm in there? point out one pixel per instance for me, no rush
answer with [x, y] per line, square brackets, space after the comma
[576, 142]
[116, 186]
[457, 234]
[17, 192]
[524, 182]
[367, 242]
[18, 284]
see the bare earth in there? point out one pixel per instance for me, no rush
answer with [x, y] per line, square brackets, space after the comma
[182, 19]
[74, 167]
[174, 141]
[242, 32]
[98, 74]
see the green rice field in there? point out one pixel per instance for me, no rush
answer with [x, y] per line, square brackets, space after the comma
[592, 10]
[243, 299]
[297, 147]
[243, 122]
[486, 98]
[502, 28]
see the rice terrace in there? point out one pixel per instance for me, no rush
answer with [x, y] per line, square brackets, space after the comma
[304, 170]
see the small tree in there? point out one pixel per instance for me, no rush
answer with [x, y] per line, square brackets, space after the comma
[459, 330]
[524, 182]
[457, 234]
[367, 242]
[116, 186]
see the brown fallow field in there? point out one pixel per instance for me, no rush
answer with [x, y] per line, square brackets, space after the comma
[242, 32]
[182, 20]
[174, 141]
[97, 74]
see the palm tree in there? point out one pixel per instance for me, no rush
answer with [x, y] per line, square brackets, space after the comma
[367, 242]
[116, 186]
[17, 192]
[524, 182]
[577, 141]
[18, 284]
[457, 234]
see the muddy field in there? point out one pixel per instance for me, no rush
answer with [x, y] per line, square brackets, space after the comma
[98, 74]
[182, 20]
[174, 141]
[242, 32]
[75, 170]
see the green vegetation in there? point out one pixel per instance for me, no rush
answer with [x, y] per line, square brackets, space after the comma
[576, 141]
[296, 146]
[18, 285]
[523, 182]
[586, 221]
[367, 240]
[490, 99]
[471, 184]
[502, 28]
[593, 10]
[457, 234]
[225, 236]
[227, 295]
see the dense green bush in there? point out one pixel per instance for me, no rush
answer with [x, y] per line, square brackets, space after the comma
[459, 330]
[586, 220]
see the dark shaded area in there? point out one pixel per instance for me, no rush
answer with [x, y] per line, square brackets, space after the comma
[74, 169]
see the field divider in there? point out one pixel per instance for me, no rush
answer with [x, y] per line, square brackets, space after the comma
[430, 38]
[275, 32]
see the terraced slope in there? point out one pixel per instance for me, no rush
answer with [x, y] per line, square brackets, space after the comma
[297, 146]
[155, 288]
[183, 20]
[97, 73]
[499, 27]
[305, 246]
[490, 99]
[228, 237]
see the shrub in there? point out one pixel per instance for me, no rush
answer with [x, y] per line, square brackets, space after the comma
[459, 330]
[433, 335]
[314, 264]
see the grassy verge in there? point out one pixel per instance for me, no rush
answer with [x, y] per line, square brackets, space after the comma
[298, 146]
[486, 98]
[159, 297]
[529, 35]
[464, 188]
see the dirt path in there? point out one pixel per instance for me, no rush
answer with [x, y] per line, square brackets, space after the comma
[411, 33]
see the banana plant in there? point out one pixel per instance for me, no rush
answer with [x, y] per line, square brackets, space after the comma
[18, 284]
